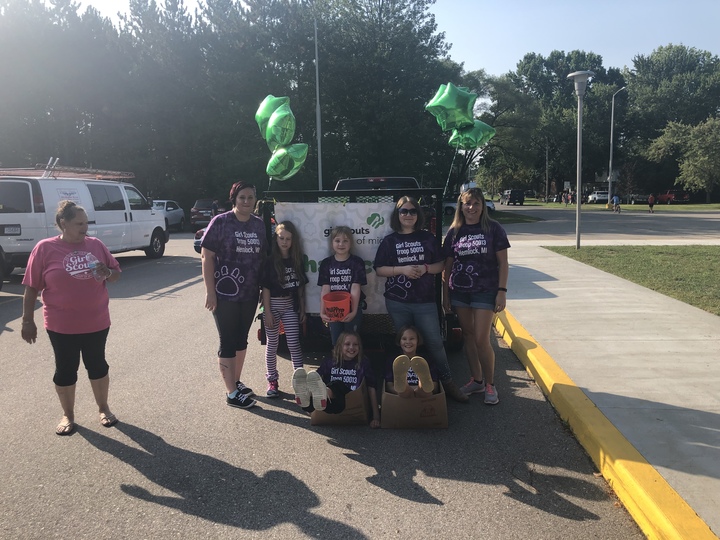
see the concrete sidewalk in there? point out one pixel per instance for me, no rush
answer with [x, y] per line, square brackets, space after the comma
[636, 375]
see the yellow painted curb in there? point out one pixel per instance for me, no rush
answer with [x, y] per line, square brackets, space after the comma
[655, 506]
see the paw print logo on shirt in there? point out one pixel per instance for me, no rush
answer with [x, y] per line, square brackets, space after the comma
[465, 276]
[399, 287]
[228, 283]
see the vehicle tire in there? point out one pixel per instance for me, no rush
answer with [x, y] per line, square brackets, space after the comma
[167, 225]
[182, 225]
[157, 245]
[8, 269]
[2, 276]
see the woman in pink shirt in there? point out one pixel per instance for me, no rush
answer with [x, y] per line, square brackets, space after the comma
[70, 270]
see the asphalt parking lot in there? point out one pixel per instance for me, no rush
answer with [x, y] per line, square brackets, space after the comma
[181, 464]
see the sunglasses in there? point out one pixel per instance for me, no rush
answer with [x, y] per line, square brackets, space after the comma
[408, 211]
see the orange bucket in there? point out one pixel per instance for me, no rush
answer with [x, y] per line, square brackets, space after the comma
[337, 305]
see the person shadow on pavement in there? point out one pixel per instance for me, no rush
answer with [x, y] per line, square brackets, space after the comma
[214, 490]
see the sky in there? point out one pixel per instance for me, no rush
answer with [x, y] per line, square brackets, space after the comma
[494, 35]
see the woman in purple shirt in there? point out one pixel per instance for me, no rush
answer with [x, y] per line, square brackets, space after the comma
[475, 284]
[234, 248]
[409, 258]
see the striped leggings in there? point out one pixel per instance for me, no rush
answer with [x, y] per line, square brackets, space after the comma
[282, 310]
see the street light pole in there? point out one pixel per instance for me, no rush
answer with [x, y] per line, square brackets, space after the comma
[318, 127]
[580, 78]
[612, 125]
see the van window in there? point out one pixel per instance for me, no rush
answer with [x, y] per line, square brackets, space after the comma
[391, 182]
[15, 198]
[106, 197]
[136, 200]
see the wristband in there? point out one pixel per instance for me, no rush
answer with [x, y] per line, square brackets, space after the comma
[503, 289]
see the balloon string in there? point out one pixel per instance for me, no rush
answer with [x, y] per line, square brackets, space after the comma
[447, 182]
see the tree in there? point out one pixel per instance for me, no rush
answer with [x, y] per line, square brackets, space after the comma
[695, 149]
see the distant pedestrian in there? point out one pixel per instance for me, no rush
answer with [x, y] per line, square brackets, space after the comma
[651, 203]
[616, 203]
[215, 208]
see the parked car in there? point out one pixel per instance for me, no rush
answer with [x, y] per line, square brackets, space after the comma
[174, 215]
[673, 196]
[378, 182]
[598, 197]
[118, 213]
[198, 238]
[201, 213]
[513, 196]
[450, 205]
[635, 198]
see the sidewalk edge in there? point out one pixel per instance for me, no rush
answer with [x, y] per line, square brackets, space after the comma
[656, 507]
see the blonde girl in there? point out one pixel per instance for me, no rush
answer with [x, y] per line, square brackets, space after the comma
[342, 271]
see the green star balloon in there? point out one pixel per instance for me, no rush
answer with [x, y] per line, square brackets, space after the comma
[452, 106]
[286, 161]
[266, 109]
[472, 137]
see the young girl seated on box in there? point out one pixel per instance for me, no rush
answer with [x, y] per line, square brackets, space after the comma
[339, 374]
[410, 375]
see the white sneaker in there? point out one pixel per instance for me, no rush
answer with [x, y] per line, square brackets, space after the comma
[300, 387]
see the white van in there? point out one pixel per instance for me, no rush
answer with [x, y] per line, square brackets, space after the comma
[118, 214]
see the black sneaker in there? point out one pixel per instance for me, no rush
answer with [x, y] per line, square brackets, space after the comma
[244, 390]
[241, 401]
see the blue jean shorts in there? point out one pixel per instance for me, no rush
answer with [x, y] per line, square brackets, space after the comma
[475, 300]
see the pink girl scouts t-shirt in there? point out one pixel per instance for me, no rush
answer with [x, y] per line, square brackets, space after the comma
[475, 266]
[73, 301]
[240, 248]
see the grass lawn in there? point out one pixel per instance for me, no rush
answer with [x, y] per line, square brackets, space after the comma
[686, 273]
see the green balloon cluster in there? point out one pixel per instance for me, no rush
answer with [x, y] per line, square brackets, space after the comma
[472, 137]
[277, 126]
[452, 107]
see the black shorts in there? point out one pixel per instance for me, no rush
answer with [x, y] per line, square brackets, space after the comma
[67, 348]
[233, 321]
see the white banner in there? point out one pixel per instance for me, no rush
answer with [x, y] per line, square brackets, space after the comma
[314, 221]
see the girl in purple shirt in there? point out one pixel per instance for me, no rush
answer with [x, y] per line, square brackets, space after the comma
[342, 271]
[475, 285]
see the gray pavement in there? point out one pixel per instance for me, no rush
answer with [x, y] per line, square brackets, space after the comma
[648, 362]
[181, 464]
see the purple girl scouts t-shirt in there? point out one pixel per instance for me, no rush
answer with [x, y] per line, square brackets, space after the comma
[348, 372]
[340, 275]
[240, 248]
[419, 247]
[475, 266]
[288, 285]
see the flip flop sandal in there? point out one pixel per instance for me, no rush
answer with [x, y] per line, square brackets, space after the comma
[65, 428]
[400, 369]
[422, 370]
[108, 420]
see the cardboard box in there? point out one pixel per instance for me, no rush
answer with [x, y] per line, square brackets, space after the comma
[357, 407]
[413, 413]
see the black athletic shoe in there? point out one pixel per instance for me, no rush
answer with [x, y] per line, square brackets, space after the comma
[244, 390]
[241, 401]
